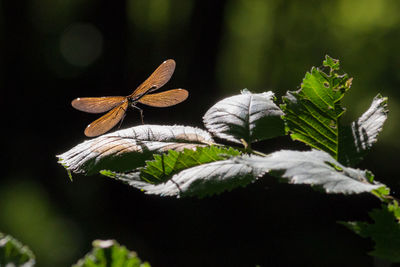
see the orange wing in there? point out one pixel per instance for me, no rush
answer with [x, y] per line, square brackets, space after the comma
[157, 79]
[165, 99]
[106, 122]
[97, 104]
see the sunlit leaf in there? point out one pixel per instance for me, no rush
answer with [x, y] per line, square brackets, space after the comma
[110, 253]
[13, 253]
[315, 168]
[358, 138]
[312, 113]
[251, 117]
[129, 148]
[206, 179]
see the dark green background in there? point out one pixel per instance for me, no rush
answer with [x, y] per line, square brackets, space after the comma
[53, 51]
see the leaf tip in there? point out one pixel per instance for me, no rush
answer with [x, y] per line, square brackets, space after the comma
[66, 167]
[245, 91]
[382, 192]
[108, 173]
[331, 63]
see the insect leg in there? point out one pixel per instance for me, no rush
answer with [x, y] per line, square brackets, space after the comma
[120, 122]
[123, 117]
[141, 112]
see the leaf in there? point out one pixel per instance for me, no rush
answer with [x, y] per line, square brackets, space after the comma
[203, 180]
[110, 253]
[384, 231]
[358, 138]
[13, 253]
[316, 168]
[252, 117]
[333, 64]
[128, 149]
[312, 113]
[164, 166]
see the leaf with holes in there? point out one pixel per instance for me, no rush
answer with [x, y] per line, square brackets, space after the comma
[312, 115]
[251, 117]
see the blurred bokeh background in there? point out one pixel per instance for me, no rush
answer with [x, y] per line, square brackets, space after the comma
[53, 51]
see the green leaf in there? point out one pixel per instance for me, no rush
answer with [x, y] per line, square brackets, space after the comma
[250, 117]
[128, 149]
[384, 231]
[382, 193]
[165, 165]
[110, 253]
[333, 64]
[312, 113]
[13, 253]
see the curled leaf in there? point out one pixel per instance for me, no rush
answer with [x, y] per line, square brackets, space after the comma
[252, 117]
[129, 148]
[358, 138]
